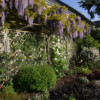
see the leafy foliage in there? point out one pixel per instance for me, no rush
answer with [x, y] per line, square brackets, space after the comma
[90, 54]
[95, 65]
[83, 70]
[28, 48]
[19, 13]
[88, 41]
[35, 78]
[7, 70]
[58, 56]
[93, 6]
[96, 34]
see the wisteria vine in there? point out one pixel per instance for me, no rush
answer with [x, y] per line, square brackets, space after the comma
[71, 25]
[55, 18]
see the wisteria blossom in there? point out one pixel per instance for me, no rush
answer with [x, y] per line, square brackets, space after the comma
[75, 34]
[3, 4]
[3, 17]
[11, 4]
[30, 3]
[68, 30]
[30, 20]
[81, 35]
[16, 4]
[74, 28]
[39, 11]
[60, 26]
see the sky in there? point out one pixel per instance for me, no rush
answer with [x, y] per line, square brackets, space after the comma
[75, 5]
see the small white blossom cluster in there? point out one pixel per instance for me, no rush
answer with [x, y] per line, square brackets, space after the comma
[90, 54]
[71, 49]
[24, 48]
[58, 45]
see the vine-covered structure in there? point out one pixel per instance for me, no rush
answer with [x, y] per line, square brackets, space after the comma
[70, 9]
[40, 18]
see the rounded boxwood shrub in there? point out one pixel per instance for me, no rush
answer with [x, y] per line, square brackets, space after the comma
[34, 78]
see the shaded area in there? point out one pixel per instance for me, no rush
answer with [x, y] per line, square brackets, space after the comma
[70, 87]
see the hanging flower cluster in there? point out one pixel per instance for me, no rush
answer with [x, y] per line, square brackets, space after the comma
[79, 28]
[56, 18]
[72, 24]
[22, 7]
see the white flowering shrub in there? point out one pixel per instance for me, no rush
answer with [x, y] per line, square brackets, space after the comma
[71, 49]
[90, 54]
[58, 55]
[28, 48]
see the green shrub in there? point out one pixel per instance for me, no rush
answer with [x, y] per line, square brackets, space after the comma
[89, 54]
[71, 98]
[35, 78]
[96, 34]
[82, 70]
[70, 72]
[58, 56]
[8, 93]
[88, 41]
[96, 65]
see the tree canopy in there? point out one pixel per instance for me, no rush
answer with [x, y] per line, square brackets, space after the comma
[93, 6]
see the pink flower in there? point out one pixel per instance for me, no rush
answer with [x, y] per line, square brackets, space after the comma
[0, 86]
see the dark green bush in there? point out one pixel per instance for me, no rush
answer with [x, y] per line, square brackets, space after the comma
[88, 41]
[82, 70]
[95, 65]
[34, 78]
[96, 34]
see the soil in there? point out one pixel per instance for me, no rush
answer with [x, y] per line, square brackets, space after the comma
[68, 87]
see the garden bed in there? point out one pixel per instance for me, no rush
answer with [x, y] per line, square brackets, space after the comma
[72, 87]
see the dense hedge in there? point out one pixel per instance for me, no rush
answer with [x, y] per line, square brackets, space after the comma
[34, 78]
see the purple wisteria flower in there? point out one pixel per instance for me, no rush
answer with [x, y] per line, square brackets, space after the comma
[21, 11]
[75, 34]
[45, 20]
[3, 4]
[25, 3]
[30, 3]
[11, 4]
[81, 35]
[43, 8]
[26, 17]
[78, 18]
[68, 30]
[3, 17]
[16, 4]
[79, 24]
[60, 26]
[39, 11]
[30, 21]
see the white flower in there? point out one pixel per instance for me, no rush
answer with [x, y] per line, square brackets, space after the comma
[55, 58]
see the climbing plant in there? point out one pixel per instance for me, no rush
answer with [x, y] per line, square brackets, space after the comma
[51, 20]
